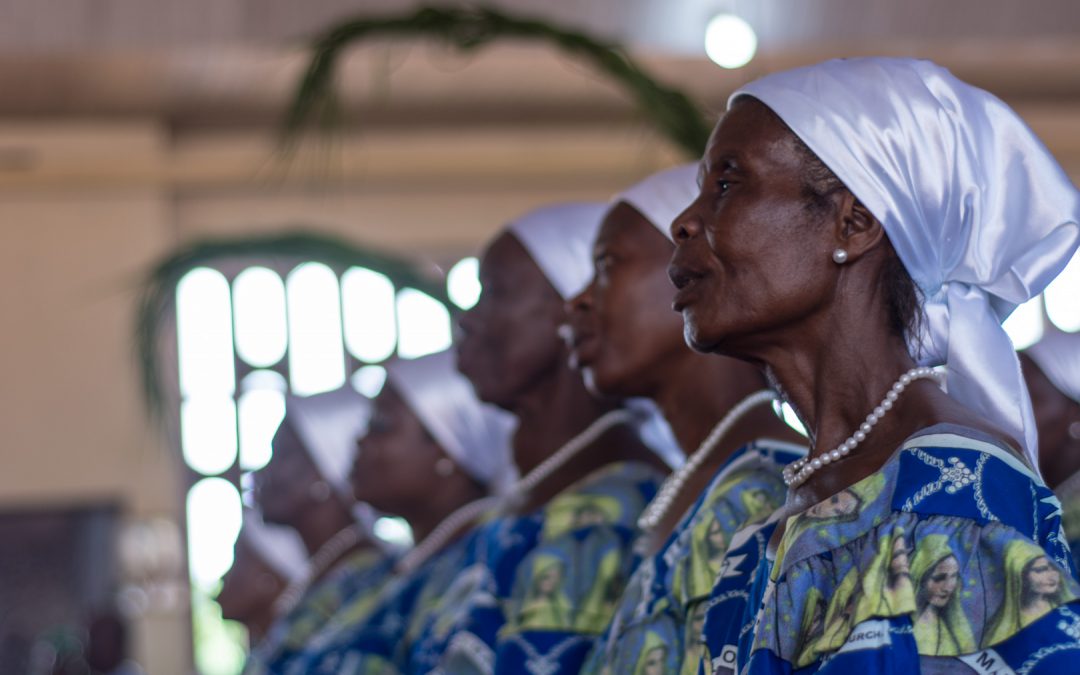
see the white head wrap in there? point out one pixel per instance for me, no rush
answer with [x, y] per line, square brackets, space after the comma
[474, 434]
[663, 195]
[328, 426]
[979, 212]
[1058, 357]
[279, 546]
[560, 239]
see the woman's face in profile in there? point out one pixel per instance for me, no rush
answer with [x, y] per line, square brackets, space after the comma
[623, 327]
[395, 462]
[752, 258]
[510, 337]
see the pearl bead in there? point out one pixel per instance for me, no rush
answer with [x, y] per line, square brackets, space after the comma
[879, 412]
[865, 428]
[816, 464]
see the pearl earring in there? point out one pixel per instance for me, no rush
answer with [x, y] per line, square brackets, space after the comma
[444, 467]
[1074, 431]
[839, 256]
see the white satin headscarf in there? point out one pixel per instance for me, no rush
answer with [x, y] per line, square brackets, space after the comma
[474, 434]
[559, 239]
[279, 546]
[1058, 357]
[328, 425]
[980, 213]
[663, 195]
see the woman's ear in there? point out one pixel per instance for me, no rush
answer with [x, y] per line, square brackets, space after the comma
[857, 230]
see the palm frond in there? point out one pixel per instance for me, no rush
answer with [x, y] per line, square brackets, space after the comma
[157, 299]
[470, 28]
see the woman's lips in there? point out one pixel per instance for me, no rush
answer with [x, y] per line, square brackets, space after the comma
[685, 281]
[584, 350]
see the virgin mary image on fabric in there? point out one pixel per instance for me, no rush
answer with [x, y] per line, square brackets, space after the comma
[653, 659]
[1033, 586]
[941, 626]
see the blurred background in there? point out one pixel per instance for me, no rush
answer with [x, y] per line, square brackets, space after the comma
[131, 129]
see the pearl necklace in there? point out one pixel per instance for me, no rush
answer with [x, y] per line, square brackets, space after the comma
[669, 491]
[520, 490]
[797, 472]
[327, 554]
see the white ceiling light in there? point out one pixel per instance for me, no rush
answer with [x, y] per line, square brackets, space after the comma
[730, 41]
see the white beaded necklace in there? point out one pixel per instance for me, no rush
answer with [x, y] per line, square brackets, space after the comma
[669, 491]
[327, 554]
[797, 472]
[517, 493]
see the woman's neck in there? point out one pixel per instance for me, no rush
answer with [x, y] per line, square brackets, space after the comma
[442, 502]
[556, 410]
[698, 390]
[320, 523]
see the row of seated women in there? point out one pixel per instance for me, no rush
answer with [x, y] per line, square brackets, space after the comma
[849, 244]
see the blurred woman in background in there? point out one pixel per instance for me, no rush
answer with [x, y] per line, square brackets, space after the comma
[628, 343]
[434, 455]
[266, 559]
[546, 574]
[306, 487]
[1052, 372]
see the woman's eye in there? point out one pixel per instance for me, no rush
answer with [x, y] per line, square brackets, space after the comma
[722, 186]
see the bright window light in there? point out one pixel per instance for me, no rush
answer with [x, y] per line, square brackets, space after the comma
[1025, 325]
[368, 306]
[394, 530]
[259, 306]
[730, 42]
[213, 519]
[369, 380]
[260, 413]
[316, 354]
[423, 324]
[204, 333]
[264, 379]
[208, 433]
[1063, 298]
[463, 283]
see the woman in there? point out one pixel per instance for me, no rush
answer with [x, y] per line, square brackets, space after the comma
[1052, 372]
[432, 452]
[627, 343]
[586, 473]
[305, 486]
[835, 223]
[267, 559]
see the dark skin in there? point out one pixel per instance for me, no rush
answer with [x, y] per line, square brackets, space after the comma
[287, 494]
[629, 344]
[756, 280]
[395, 468]
[248, 591]
[511, 352]
[1059, 453]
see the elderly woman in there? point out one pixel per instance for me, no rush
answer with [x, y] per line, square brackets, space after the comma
[628, 343]
[267, 558]
[548, 571]
[433, 454]
[306, 487]
[858, 218]
[1052, 371]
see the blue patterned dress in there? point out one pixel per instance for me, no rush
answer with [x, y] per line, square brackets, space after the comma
[951, 558]
[541, 587]
[1069, 494]
[354, 581]
[374, 639]
[659, 618]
